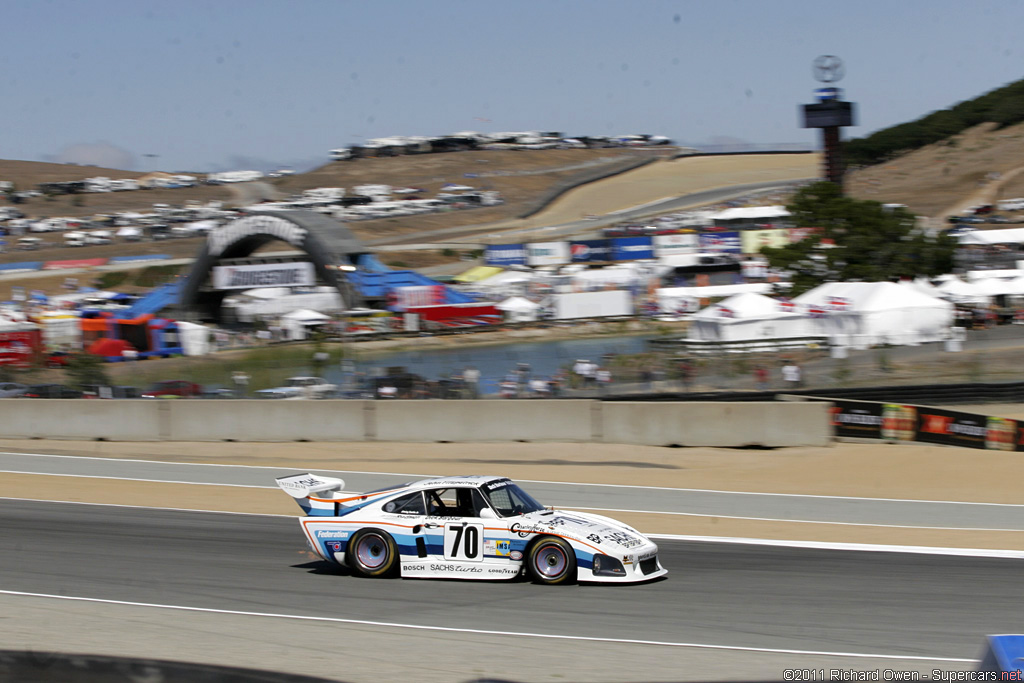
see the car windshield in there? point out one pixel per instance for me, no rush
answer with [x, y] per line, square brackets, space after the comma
[509, 500]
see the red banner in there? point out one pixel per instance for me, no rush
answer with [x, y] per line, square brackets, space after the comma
[76, 263]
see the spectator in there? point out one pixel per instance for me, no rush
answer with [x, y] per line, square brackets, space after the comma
[539, 388]
[320, 359]
[509, 386]
[522, 375]
[471, 380]
[687, 372]
[604, 379]
[761, 377]
[241, 380]
[792, 375]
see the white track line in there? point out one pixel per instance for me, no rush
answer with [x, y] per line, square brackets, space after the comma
[859, 547]
[148, 481]
[519, 634]
[150, 507]
[418, 477]
[816, 545]
[797, 521]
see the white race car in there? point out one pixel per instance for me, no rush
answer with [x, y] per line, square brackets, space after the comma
[474, 527]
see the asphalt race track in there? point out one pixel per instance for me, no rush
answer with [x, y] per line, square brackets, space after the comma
[748, 597]
[911, 513]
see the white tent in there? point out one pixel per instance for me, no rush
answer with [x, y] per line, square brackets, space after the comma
[745, 317]
[986, 237]
[195, 339]
[518, 309]
[297, 323]
[863, 314]
[958, 291]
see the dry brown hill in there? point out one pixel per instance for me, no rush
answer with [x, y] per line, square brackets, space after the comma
[977, 165]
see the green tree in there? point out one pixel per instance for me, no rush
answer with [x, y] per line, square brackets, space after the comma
[87, 368]
[859, 240]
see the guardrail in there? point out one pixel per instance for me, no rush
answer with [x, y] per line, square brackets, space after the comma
[767, 424]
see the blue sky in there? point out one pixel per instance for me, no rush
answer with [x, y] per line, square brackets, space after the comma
[229, 84]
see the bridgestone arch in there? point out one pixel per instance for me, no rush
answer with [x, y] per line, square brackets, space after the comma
[327, 243]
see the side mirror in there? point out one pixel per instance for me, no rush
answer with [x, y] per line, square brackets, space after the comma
[488, 513]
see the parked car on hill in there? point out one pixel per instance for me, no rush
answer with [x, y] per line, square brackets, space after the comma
[300, 387]
[12, 389]
[173, 388]
[57, 359]
[51, 391]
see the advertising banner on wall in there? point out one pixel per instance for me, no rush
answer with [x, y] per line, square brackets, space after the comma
[672, 245]
[299, 274]
[726, 242]
[632, 248]
[952, 428]
[925, 424]
[857, 419]
[582, 251]
[547, 253]
[505, 255]
[404, 298]
[752, 241]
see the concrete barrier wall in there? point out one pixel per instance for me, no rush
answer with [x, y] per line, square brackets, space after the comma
[530, 420]
[265, 420]
[769, 424]
[43, 418]
[726, 425]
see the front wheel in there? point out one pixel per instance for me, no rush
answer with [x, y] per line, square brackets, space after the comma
[552, 561]
[372, 553]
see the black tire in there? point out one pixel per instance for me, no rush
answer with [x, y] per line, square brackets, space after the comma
[372, 552]
[551, 561]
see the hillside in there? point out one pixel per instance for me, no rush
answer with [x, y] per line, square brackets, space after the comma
[1003, 107]
[975, 166]
[521, 176]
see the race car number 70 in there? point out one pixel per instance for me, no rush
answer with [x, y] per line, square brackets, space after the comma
[463, 542]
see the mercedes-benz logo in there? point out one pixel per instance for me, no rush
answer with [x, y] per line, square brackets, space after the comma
[828, 68]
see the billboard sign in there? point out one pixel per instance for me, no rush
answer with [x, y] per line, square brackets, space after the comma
[547, 253]
[632, 248]
[582, 251]
[299, 274]
[404, 298]
[671, 245]
[752, 241]
[725, 242]
[505, 255]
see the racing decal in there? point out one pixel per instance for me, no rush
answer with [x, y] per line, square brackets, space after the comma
[455, 569]
[524, 530]
[516, 555]
[323, 533]
[334, 546]
[494, 548]
[464, 542]
[623, 539]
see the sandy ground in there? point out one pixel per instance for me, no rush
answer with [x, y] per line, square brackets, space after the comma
[916, 472]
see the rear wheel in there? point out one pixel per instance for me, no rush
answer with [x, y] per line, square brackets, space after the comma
[552, 561]
[372, 553]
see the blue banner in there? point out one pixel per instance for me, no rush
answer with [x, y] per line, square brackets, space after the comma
[139, 257]
[590, 250]
[722, 242]
[22, 265]
[632, 248]
[505, 255]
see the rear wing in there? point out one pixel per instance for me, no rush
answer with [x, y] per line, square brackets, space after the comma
[316, 495]
[304, 485]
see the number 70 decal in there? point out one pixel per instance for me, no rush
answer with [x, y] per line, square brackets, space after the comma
[464, 542]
